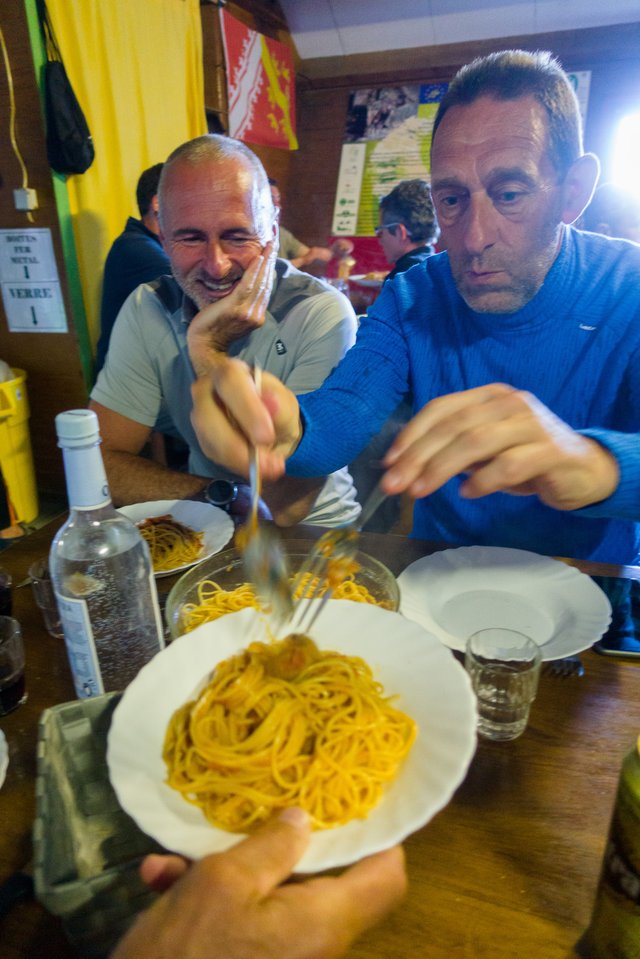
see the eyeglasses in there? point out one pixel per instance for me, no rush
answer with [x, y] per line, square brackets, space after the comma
[388, 226]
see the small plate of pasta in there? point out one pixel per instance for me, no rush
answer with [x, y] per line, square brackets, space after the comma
[369, 725]
[180, 533]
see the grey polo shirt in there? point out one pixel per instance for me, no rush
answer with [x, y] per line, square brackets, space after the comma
[147, 375]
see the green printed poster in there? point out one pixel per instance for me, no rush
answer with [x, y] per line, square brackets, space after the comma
[387, 139]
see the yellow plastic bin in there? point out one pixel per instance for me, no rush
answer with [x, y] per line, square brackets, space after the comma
[16, 457]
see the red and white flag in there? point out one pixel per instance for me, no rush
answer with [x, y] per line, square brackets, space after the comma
[260, 86]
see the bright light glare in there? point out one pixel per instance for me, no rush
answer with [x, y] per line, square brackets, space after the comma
[626, 154]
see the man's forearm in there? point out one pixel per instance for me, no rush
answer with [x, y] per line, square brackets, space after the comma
[133, 479]
[291, 499]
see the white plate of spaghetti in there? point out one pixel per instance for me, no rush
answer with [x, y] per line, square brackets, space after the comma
[421, 676]
[180, 533]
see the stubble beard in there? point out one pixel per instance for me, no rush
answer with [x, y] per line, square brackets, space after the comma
[522, 284]
[191, 286]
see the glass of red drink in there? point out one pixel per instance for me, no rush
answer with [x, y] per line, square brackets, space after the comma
[5, 592]
[12, 685]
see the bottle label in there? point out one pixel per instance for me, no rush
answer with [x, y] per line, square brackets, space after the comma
[87, 486]
[81, 648]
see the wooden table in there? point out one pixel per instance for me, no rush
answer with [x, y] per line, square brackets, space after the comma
[507, 871]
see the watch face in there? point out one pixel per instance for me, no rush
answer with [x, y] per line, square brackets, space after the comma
[221, 492]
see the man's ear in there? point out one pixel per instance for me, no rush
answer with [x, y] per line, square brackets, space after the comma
[578, 186]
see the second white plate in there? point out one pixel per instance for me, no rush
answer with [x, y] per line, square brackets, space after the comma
[216, 525]
[455, 592]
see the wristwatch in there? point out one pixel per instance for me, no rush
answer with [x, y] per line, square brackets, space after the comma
[221, 493]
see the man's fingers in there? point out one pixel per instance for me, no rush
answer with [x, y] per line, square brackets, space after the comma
[455, 434]
[160, 872]
[333, 911]
[370, 898]
[232, 385]
[257, 282]
[438, 410]
[270, 855]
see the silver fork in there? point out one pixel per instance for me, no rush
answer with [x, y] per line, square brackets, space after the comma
[263, 556]
[337, 547]
[562, 668]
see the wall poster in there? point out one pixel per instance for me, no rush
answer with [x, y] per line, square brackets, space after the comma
[387, 139]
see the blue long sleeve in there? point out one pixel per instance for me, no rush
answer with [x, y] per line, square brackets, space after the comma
[575, 345]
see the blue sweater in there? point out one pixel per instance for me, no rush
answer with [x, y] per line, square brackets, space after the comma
[575, 345]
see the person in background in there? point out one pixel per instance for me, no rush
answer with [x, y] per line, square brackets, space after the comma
[407, 231]
[228, 294]
[408, 225]
[519, 344]
[613, 212]
[302, 256]
[135, 257]
[239, 905]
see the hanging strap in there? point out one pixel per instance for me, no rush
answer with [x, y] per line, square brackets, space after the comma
[53, 50]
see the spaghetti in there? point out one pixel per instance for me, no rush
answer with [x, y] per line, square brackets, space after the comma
[283, 724]
[213, 601]
[172, 544]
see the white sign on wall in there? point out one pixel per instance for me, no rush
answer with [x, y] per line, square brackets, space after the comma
[29, 282]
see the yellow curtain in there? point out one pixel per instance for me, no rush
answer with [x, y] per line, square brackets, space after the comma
[136, 68]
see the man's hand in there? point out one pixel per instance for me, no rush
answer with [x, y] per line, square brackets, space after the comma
[237, 904]
[219, 324]
[504, 440]
[228, 415]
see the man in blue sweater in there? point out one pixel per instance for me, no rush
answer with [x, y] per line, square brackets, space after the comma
[520, 344]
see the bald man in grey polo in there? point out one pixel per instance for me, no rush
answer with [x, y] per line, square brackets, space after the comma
[147, 376]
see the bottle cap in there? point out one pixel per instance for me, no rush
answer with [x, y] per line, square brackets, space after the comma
[77, 428]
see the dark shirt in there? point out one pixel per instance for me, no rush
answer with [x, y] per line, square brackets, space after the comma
[410, 259]
[135, 257]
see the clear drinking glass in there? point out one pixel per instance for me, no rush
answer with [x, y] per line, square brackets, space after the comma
[504, 666]
[44, 595]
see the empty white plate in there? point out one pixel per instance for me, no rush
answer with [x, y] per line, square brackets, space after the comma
[456, 592]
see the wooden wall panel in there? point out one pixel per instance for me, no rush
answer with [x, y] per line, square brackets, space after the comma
[611, 53]
[52, 360]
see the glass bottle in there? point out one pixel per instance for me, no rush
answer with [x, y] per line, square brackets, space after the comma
[614, 932]
[101, 571]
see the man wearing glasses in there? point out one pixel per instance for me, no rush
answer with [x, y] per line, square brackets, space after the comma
[408, 226]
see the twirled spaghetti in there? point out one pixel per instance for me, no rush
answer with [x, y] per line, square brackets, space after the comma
[213, 601]
[172, 544]
[284, 724]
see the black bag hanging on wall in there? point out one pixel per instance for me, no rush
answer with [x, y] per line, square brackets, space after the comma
[69, 141]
